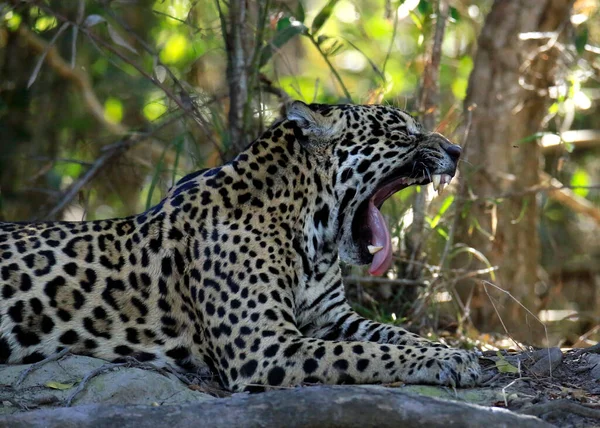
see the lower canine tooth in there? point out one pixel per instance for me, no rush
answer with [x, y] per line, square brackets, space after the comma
[441, 188]
[436, 179]
[373, 249]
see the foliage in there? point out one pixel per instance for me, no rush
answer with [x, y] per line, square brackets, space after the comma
[113, 70]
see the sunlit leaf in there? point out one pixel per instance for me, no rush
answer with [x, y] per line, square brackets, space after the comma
[113, 110]
[580, 179]
[45, 23]
[459, 88]
[323, 16]
[12, 20]
[445, 205]
[174, 49]
[155, 109]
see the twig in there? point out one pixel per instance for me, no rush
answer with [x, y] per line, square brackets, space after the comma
[253, 69]
[108, 153]
[591, 350]
[484, 282]
[88, 377]
[366, 281]
[508, 386]
[183, 100]
[39, 364]
[557, 191]
[332, 68]
[78, 77]
[389, 51]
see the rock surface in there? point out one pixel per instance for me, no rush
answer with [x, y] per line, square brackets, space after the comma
[342, 406]
[53, 383]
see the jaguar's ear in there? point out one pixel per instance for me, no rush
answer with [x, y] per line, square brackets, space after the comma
[312, 123]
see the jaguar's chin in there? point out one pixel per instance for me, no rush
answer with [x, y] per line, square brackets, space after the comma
[370, 233]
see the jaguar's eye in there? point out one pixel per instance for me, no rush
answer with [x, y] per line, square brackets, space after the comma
[413, 131]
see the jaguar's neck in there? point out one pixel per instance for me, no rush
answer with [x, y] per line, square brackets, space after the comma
[277, 176]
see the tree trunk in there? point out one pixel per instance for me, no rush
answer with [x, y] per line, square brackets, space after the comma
[508, 96]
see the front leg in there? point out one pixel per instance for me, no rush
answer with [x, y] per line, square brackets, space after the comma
[278, 357]
[346, 324]
[328, 316]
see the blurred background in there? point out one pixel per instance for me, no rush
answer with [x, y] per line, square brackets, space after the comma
[106, 104]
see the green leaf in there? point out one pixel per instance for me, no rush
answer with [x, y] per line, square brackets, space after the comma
[504, 366]
[300, 15]
[283, 23]
[529, 138]
[454, 14]
[445, 205]
[323, 16]
[280, 39]
[60, 386]
[581, 40]
[580, 180]
[425, 8]
[156, 176]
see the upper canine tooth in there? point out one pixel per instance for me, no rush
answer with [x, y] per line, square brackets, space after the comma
[374, 249]
[436, 179]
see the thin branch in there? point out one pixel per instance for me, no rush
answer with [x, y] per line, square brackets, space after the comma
[263, 12]
[370, 281]
[557, 191]
[108, 152]
[332, 68]
[183, 100]
[77, 76]
[34, 367]
[88, 377]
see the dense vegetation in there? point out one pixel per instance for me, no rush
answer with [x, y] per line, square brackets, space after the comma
[105, 104]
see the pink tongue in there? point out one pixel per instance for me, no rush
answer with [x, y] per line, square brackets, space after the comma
[382, 260]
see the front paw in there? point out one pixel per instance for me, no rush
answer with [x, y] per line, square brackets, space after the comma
[448, 367]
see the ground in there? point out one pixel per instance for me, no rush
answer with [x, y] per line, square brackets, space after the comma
[567, 397]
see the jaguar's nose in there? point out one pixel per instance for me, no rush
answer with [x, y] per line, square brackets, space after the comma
[453, 150]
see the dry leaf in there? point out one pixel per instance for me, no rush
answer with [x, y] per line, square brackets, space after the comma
[116, 37]
[59, 386]
[504, 366]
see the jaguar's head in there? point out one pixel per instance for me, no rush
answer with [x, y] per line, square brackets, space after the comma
[372, 152]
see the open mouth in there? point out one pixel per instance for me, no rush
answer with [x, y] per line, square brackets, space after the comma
[369, 228]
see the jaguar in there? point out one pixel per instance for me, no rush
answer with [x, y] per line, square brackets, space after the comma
[237, 269]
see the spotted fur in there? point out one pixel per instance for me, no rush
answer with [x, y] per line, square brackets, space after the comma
[237, 269]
